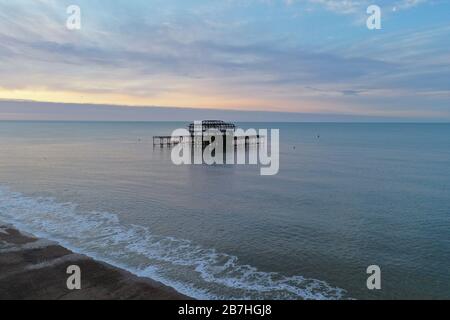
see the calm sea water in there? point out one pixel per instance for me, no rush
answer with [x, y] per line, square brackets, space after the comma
[358, 195]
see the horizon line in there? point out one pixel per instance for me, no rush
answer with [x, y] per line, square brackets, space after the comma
[162, 114]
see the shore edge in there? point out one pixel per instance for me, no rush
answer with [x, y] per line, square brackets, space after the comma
[36, 269]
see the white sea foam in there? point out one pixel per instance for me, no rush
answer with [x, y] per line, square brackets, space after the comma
[55, 262]
[191, 269]
[38, 244]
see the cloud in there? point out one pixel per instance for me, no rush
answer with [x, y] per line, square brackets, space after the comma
[359, 6]
[340, 6]
[230, 55]
[171, 55]
[406, 4]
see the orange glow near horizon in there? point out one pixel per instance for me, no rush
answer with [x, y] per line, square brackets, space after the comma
[179, 100]
[196, 101]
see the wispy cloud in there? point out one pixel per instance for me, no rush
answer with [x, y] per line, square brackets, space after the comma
[236, 55]
[358, 6]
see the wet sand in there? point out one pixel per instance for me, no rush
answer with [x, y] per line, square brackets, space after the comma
[35, 269]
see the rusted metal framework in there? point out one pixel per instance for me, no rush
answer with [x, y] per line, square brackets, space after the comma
[222, 126]
[199, 135]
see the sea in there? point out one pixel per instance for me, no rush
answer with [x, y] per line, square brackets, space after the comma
[347, 196]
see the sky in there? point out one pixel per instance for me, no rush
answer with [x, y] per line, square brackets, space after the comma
[275, 57]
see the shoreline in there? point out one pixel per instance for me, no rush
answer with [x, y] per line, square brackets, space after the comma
[35, 269]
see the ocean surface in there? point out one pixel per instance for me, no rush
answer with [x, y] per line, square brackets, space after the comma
[347, 196]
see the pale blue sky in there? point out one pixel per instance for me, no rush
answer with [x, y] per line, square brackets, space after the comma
[312, 56]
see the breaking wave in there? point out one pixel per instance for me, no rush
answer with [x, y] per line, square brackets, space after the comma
[189, 268]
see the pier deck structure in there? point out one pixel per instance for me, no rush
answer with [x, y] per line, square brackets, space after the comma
[201, 135]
